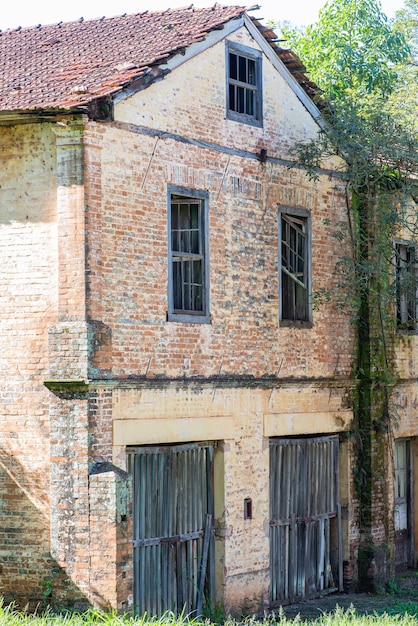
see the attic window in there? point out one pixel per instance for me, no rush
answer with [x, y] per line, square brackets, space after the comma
[243, 89]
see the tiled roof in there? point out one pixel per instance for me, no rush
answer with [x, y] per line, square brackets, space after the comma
[292, 62]
[70, 64]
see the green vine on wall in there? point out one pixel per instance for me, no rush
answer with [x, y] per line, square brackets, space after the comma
[366, 67]
[378, 164]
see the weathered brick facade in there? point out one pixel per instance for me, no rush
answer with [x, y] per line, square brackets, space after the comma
[90, 365]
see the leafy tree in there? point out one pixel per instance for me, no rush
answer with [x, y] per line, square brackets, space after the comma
[406, 20]
[403, 102]
[354, 54]
[352, 49]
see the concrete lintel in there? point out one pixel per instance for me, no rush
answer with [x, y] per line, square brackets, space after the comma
[146, 431]
[287, 424]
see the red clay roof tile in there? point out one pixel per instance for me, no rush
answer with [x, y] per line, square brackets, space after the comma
[41, 67]
[70, 64]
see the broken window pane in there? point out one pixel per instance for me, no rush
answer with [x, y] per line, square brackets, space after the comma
[233, 72]
[294, 265]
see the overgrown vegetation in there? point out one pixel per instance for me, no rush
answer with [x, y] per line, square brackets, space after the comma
[352, 48]
[357, 58]
[406, 615]
[404, 98]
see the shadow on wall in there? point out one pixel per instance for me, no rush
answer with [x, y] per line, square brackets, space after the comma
[29, 576]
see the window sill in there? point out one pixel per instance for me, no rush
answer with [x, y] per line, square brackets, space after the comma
[244, 119]
[295, 324]
[407, 331]
[188, 319]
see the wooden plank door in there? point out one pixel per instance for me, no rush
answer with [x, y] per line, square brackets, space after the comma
[173, 509]
[403, 535]
[305, 519]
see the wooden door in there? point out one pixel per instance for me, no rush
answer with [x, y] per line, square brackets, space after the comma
[403, 535]
[173, 509]
[305, 520]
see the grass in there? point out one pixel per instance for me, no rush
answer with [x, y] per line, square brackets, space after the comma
[398, 614]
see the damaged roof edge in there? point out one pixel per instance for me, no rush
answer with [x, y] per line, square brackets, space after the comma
[273, 53]
[180, 57]
[32, 116]
[98, 109]
[97, 97]
[304, 89]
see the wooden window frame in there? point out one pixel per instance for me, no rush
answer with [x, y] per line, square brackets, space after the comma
[406, 295]
[248, 54]
[174, 256]
[287, 215]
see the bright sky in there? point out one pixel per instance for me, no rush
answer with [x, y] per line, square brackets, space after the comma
[14, 13]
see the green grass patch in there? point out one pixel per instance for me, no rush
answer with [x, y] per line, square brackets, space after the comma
[398, 614]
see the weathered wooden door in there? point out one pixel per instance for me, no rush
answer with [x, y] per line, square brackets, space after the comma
[173, 508]
[403, 543]
[305, 519]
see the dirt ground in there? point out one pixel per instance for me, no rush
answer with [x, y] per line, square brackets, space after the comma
[403, 589]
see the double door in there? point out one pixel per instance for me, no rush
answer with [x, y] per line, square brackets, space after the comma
[173, 509]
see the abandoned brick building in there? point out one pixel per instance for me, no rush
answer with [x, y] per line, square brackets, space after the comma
[174, 414]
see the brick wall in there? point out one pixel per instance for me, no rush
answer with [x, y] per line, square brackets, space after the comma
[84, 306]
[28, 303]
[126, 178]
[243, 337]
[110, 538]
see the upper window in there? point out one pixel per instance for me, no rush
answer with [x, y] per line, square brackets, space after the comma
[188, 284]
[406, 285]
[294, 230]
[244, 91]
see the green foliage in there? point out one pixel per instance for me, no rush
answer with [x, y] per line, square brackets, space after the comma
[406, 20]
[406, 608]
[358, 58]
[47, 588]
[398, 614]
[377, 161]
[402, 102]
[214, 613]
[352, 50]
[283, 27]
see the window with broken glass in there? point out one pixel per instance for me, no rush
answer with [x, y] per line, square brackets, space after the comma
[294, 241]
[244, 92]
[188, 289]
[406, 285]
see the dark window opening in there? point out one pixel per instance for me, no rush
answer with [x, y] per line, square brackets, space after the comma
[244, 84]
[188, 257]
[406, 285]
[294, 268]
[248, 508]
